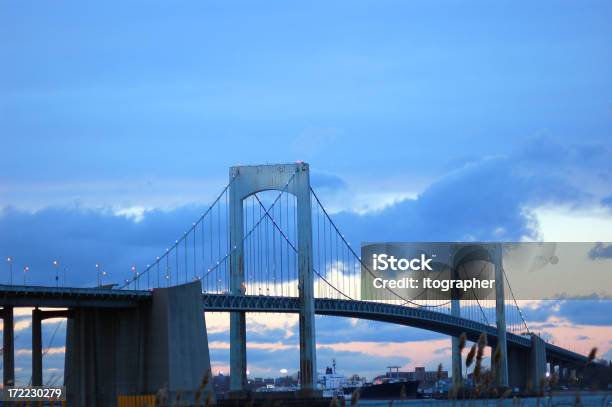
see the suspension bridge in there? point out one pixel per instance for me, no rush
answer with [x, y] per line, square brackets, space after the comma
[265, 244]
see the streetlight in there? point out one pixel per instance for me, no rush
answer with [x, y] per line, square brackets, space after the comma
[135, 276]
[56, 265]
[26, 269]
[9, 260]
[98, 274]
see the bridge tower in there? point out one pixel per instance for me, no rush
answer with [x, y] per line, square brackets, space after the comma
[500, 316]
[456, 363]
[493, 253]
[244, 182]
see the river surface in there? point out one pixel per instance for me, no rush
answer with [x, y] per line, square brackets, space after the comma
[566, 400]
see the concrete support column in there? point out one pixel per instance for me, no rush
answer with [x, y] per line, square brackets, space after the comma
[37, 317]
[37, 376]
[238, 364]
[538, 361]
[559, 365]
[8, 351]
[518, 363]
[456, 368]
[308, 372]
[456, 355]
[500, 317]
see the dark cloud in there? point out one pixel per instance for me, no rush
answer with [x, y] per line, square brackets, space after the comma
[583, 338]
[338, 329]
[442, 351]
[485, 200]
[321, 180]
[79, 238]
[580, 312]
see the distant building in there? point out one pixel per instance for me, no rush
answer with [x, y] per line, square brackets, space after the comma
[221, 383]
[256, 383]
[427, 378]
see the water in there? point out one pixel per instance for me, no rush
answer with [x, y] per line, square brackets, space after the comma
[586, 400]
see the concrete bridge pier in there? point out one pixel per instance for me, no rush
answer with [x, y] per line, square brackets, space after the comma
[527, 367]
[518, 367]
[562, 372]
[554, 367]
[238, 362]
[571, 374]
[537, 365]
[36, 348]
[37, 317]
[8, 350]
[308, 372]
[456, 362]
[159, 345]
[500, 317]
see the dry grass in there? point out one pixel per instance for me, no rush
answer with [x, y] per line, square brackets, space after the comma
[334, 402]
[355, 397]
[591, 356]
[470, 356]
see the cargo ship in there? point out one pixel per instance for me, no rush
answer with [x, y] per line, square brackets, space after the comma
[383, 388]
[390, 390]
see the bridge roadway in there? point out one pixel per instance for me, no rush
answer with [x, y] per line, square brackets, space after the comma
[70, 297]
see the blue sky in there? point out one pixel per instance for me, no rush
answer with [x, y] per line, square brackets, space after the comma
[421, 121]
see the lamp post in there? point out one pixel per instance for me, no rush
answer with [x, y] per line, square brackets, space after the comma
[26, 269]
[56, 266]
[9, 260]
[98, 274]
[135, 276]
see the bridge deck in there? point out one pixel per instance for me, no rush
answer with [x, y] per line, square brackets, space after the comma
[70, 297]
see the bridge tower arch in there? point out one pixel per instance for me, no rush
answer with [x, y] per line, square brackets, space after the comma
[244, 182]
